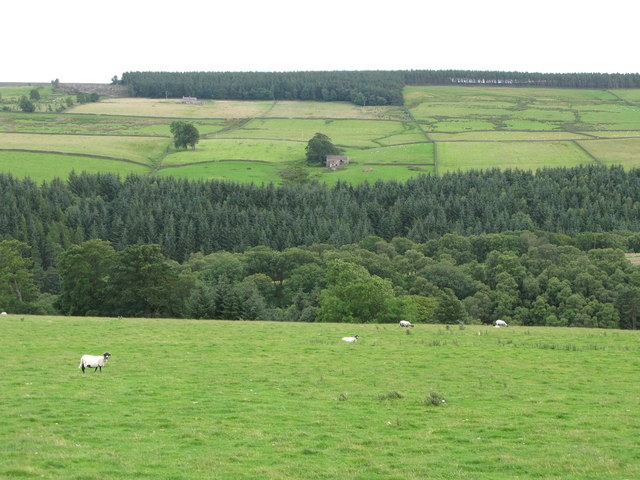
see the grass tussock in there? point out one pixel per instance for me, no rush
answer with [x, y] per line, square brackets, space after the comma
[434, 399]
[392, 395]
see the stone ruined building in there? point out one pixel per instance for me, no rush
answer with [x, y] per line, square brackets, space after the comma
[335, 161]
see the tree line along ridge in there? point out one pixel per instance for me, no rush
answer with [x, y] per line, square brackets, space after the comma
[358, 87]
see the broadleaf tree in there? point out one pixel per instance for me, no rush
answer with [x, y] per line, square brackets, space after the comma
[185, 134]
[355, 296]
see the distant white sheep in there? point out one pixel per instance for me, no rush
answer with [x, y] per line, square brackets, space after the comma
[406, 323]
[3, 313]
[94, 361]
[501, 323]
[350, 339]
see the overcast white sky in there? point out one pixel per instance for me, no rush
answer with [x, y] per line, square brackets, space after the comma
[81, 41]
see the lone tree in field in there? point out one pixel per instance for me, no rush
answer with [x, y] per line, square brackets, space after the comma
[26, 105]
[319, 147]
[184, 134]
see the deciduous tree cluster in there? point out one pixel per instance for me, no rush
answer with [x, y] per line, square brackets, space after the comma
[526, 278]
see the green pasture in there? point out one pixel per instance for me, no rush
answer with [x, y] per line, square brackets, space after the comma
[622, 151]
[474, 116]
[79, 124]
[459, 156]
[362, 133]
[16, 91]
[502, 136]
[141, 149]
[41, 167]
[182, 399]
[410, 153]
[505, 95]
[264, 173]
[234, 171]
[458, 124]
[505, 108]
[239, 149]
[630, 95]
[611, 117]
[356, 174]
[614, 134]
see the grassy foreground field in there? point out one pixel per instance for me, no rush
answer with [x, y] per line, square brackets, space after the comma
[186, 399]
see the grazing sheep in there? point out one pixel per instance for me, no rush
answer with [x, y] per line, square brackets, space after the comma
[350, 339]
[3, 313]
[405, 323]
[501, 323]
[93, 361]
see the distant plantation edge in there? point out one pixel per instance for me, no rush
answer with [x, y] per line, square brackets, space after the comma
[359, 87]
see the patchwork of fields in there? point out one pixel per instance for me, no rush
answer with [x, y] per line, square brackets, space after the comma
[440, 129]
[184, 399]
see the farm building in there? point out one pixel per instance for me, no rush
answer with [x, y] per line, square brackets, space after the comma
[335, 161]
[193, 100]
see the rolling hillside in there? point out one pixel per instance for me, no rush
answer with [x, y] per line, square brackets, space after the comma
[439, 129]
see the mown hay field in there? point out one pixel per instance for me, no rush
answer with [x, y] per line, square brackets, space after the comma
[174, 108]
[183, 399]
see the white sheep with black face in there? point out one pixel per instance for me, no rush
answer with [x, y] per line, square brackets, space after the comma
[350, 339]
[94, 361]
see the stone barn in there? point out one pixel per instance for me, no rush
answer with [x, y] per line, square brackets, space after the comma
[335, 161]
